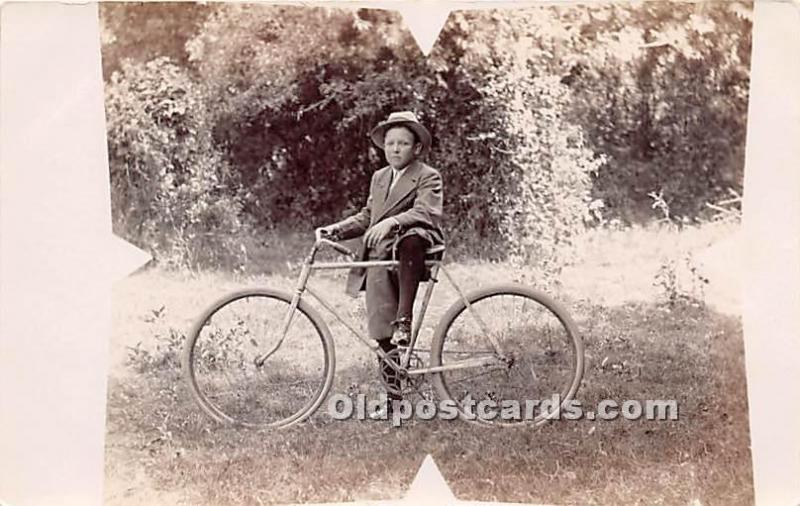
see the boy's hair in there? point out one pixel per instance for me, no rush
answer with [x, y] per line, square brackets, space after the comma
[417, 140]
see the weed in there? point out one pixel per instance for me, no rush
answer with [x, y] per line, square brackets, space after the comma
[221, 346]
[668, 277]
[224, 346]
[165, 355]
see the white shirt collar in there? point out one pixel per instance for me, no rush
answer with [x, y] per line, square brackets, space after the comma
[396, 175]
[400, 172]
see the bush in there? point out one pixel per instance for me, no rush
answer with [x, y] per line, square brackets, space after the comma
[547, 201]
[516, 175]
[662, 90]
[172, 192]
[541, 118]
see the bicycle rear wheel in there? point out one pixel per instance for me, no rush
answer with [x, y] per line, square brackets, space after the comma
[536, 335]
[219, 360]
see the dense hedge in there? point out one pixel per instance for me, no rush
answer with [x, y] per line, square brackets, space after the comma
[171, 192]
[545, 120]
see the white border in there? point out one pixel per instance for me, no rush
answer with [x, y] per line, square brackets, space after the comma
[54, 303]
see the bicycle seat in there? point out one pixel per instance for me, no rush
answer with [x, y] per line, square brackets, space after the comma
[433, 253]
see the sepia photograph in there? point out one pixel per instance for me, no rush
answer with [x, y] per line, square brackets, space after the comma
[518, 251]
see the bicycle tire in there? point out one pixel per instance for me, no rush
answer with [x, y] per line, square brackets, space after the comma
[570, 369]
[205, 353]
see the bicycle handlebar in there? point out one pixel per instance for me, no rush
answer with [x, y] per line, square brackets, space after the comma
[335, 245]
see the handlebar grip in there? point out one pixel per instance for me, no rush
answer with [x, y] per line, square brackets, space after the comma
[338, 247]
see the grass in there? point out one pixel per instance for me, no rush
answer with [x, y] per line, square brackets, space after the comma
[162, 449]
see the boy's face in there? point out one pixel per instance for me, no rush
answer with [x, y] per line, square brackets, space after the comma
[400, 148]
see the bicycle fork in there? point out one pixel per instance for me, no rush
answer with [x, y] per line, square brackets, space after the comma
[287, 320]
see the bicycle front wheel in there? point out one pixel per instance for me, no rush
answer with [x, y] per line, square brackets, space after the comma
[221, 360]
[541, 360]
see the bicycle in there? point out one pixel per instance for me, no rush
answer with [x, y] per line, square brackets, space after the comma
[231, 362]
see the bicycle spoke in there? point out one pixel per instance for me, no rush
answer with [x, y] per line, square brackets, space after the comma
[540, 350]
[223, 353]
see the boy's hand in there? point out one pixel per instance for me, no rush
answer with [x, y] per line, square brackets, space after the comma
[379, 231]
[329, 232]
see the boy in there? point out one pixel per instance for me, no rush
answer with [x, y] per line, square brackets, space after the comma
[403, 214]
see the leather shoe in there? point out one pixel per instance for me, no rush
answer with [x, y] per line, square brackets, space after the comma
[402, 332]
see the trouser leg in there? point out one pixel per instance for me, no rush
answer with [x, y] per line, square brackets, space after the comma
[411, 269]
[381, 302]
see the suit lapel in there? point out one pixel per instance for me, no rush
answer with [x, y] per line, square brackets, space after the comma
[381, 189]
[403, 186]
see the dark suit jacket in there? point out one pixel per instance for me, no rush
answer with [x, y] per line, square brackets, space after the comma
[415, 202]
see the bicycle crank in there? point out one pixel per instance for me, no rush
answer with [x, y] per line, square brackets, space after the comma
[399, 381]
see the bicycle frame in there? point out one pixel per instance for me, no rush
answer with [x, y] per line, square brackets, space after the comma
[302, 287]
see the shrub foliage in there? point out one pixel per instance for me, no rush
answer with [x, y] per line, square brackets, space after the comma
[171, 192]
[545, 120]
